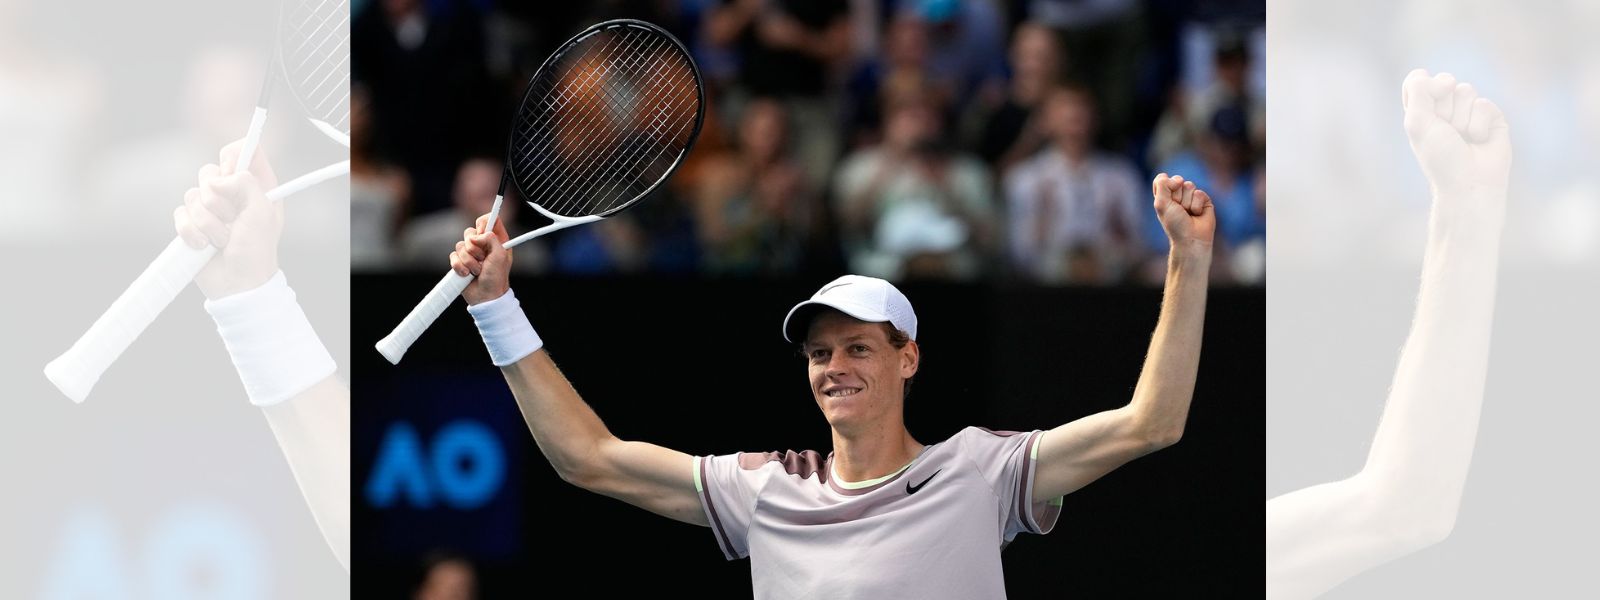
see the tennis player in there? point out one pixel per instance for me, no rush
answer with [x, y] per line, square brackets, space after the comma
[883, 515]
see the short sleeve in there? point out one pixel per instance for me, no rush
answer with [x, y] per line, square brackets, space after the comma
[1007, 461]
[728, 495]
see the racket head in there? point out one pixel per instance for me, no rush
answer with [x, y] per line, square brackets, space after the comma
[607, 118]
[313, 59]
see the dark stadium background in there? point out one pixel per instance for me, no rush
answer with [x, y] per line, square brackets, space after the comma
[700, 366]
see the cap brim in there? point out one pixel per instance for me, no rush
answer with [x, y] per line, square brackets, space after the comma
[795, 325]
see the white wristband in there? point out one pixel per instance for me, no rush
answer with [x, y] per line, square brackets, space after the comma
[273, 346]
[506, 330]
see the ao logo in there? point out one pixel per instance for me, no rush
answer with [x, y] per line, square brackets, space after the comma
[462, 469]
[192, 550]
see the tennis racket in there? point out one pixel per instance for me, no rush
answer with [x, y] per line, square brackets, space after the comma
[606, 119]
[312, 61]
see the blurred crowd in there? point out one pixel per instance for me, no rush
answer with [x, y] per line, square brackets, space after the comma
[961, 140]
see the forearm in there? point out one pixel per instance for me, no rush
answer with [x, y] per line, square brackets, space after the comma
[313, 431]
[287, 372]
[1407, 496]
[1319, 536]
[1161, 399]
[1424, 441]
[566, 429]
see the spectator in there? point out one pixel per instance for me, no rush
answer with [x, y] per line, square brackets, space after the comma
[379, 192]
[1189, 113]
[135, 178]
[615, 245]
[1008, 134]
[792, 83]
[793, 50]
[1220, 164]
[429, 238]
[1109, 36]
[756, 213]
[447, 576]
[1075, 212]
[788, 47]
[966, 45]
[426, 69]
[905, 58]
[913, 206]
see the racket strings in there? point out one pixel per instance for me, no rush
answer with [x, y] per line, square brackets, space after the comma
[604, 146]
[600, 125]
[615, 169]
[585, 105]
[544, 133]
[315, 54]
[634, 170]
[554, 97]
[627, 169]
[586, 182]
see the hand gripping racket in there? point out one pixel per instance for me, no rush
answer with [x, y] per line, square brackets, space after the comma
[606, 119]
[313, 62]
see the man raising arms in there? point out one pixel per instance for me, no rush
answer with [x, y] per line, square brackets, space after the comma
[882, 515]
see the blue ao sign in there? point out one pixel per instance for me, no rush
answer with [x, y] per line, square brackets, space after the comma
[437, 465]
[462, 467]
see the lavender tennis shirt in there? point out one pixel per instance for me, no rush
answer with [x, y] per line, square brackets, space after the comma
[932, 530]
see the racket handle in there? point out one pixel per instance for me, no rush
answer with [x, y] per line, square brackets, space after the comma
[439, 298]
[77, 370]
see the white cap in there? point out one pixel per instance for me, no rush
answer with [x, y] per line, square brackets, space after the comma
[867, 298]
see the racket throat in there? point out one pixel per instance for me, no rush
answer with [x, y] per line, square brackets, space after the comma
[252, 136]
[559, 223]
[494, 213]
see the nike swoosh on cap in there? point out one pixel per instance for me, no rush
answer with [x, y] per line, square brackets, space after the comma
[840, 284]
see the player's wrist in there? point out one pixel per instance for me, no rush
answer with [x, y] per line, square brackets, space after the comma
[1460, 187]
[272, 344]
[484, 292]
[1188, 251]
[1469, 210]
[237, 278]
[505, 329]
[1191, 257]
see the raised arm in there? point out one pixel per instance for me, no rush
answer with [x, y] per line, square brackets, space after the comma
[1074, 454]
[568, 432]
[285, 369]
[1407, 495]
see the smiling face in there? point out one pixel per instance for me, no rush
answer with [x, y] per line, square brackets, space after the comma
[857, 374]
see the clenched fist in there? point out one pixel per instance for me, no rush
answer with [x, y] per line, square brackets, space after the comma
[1462, 141]
[231, 212]
[1186, 213]
[484, 256]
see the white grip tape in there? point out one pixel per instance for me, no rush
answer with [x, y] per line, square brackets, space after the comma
[76, 371]
[494, 212]
[252, 137]
[398, 341]
[394, 345]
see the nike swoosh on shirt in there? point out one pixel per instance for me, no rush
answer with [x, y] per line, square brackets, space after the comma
[912, 489]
